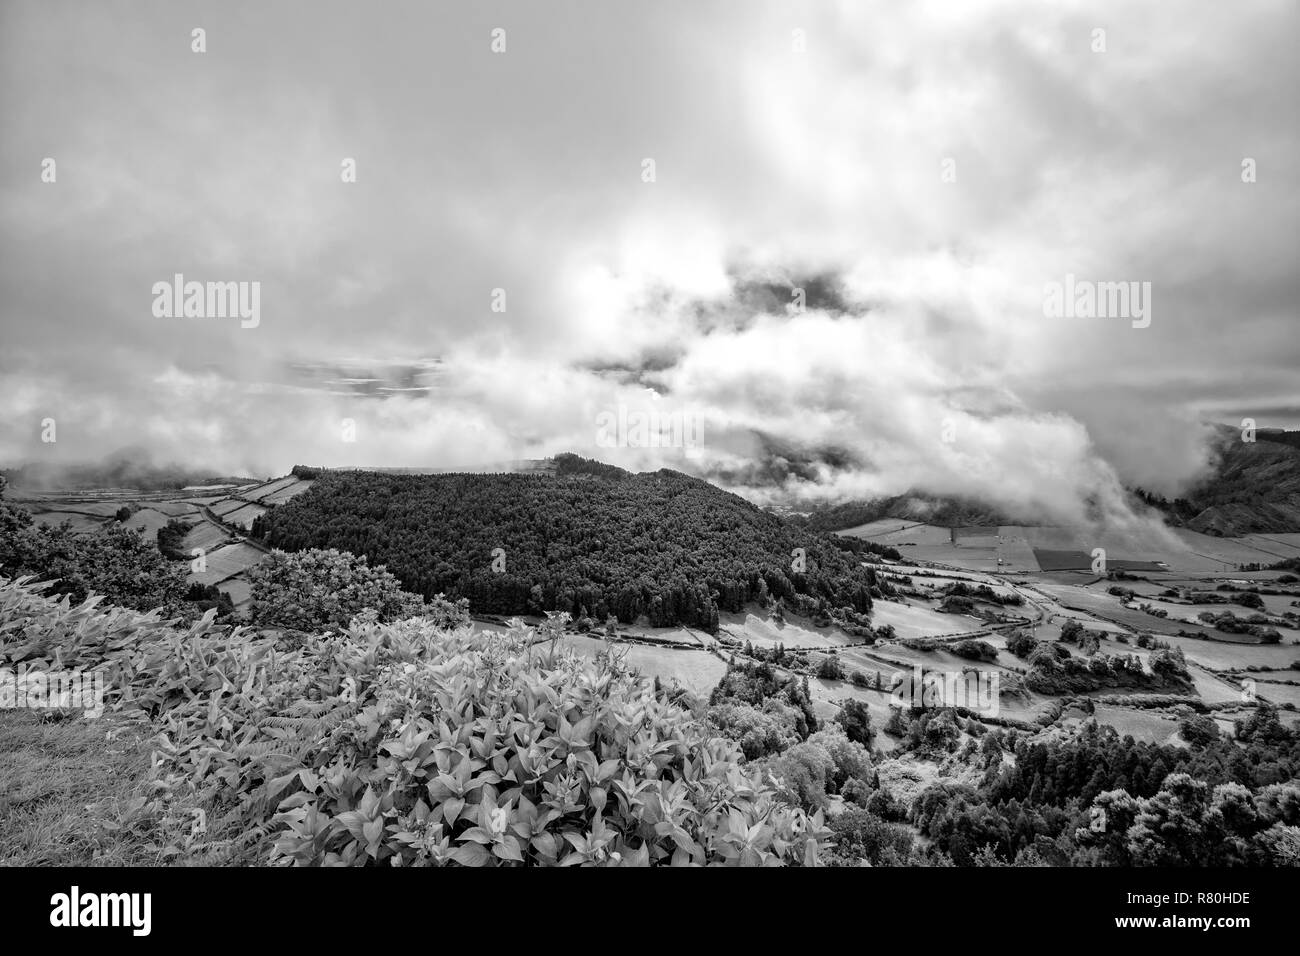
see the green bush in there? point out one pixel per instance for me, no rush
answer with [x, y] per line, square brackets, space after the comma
[850, 760]
[860, 834]
[760, 733]
[855, 719]
[312, 589]
[801, 774]
[116, 563]
[403, 744]
[830, 668]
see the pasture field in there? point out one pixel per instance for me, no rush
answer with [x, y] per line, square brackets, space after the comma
[1107, 606]
[682, 636]
[147, 521]
[204, 534]
[244, 517]
[289, 491]
[239, 589]
[226, 561]
[695, 671]
[1220, 655]
[1188, 613]
[1278, 693]
[82, 523]
[895, 531]
[1050, 559]
[1145, 725]
[1206, 552]
[97, 509]
[795, 633]
[928, 574]
[909, 620]
[175, 509]
[270, 488]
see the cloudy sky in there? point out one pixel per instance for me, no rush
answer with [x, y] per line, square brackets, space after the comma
[921, 170]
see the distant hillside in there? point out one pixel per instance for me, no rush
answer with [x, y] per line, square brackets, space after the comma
[117, 473]
[1254, 487]
[519, 465]
[946, 512]
[591, 536]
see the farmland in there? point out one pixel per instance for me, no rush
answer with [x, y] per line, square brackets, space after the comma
[1046, 569]
[217, 519]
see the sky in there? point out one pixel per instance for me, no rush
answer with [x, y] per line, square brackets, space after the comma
[505, 274]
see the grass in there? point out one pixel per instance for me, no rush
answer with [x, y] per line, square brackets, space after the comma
[77, 792]
[67, 783]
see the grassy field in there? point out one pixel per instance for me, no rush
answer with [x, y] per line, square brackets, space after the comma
[695, 671]
[795, 633]
[80, 522]
[226, 561]
[66, 788]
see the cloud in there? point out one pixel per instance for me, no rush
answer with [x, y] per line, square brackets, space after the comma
[776, 169]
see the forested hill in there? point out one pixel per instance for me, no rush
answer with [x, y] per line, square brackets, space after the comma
[588, 539]
[1253, 487]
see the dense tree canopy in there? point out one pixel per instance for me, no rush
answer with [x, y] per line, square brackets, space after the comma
[587, 540]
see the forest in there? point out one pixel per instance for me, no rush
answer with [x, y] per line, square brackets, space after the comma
[592, 540]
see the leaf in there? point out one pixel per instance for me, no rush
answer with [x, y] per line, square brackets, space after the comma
[476, 835]
[451, 810]
[508, 849]
[471, 854]
[546, 845]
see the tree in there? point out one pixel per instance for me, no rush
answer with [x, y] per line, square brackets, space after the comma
[855, 718]
[117, 563]
[321, 588]
[830, 668]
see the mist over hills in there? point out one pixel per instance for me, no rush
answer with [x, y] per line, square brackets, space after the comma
[1251, 487]
[132, 467]
[1248, 487]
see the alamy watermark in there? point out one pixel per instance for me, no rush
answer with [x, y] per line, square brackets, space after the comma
[621, 428]
[179, 299]
[32, 688]
[1085, 299]
[974, 689]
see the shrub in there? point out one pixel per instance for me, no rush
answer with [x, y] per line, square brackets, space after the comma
[1198, 729]
[855, 719]
[1021, 643]
[116, 563]
[802, 774]
[830, 668]
[310, 589]
[856, 792]
[171, 537]
[885, 805]
[849, 758]
[974, 650]
[756, 684]
[404, 744]
[863, 835]
[760, 733]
